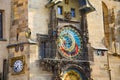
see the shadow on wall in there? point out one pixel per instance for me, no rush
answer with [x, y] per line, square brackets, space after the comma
[0, 76]
[118, 27]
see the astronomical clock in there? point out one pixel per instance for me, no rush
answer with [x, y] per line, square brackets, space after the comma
[69, 42]
[69, 46]
[73, 72]
[66, 40]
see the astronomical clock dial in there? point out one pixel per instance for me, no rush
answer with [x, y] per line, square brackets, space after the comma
[73, 74]
[69, 42]
[18, 66]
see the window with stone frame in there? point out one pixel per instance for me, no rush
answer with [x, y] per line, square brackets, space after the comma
[42, 49]
[60, 10]
[1, 24]
[46, 50]
[72, 12]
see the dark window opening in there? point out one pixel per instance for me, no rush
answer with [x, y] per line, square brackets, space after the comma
[46, 50]
[5, 69]
[60, 10]
[42, 49]
[72, 12]
[1, 25]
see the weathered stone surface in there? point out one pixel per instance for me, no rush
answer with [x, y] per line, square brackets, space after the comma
[20, 18]
[34, 14]
[5, 7]
[97, 36]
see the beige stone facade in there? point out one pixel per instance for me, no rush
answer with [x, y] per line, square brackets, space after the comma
[4, 41]
[20, 44]
[100, 33]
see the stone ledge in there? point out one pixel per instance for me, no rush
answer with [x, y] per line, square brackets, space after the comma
[13, 45]
[1, 39]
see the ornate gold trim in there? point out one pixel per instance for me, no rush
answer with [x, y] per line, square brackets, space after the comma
[12, 61]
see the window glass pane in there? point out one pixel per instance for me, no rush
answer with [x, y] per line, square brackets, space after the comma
[42, 50]
[60, 10]
[0, 24]
[72, 12]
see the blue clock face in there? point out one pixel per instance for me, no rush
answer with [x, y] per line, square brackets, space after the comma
[18, 66]
[69, 42]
